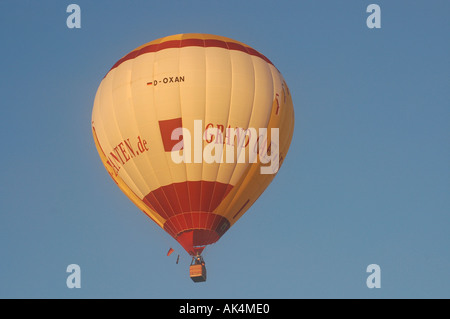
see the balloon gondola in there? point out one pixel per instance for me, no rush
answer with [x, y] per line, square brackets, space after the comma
[193, 128]
[197, 269]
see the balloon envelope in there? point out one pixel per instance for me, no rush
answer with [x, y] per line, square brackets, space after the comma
[193, 128]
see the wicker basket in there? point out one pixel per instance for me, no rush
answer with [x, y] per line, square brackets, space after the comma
[197, 272]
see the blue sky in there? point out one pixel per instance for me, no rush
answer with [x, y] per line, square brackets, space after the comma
[366, 180]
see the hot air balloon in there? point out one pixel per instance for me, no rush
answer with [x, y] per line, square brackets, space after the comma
[193, 128]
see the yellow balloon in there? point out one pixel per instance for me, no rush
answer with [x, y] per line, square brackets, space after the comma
[193, 128]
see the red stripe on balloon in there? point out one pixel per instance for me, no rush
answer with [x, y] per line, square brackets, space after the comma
[186, 197]
[241, 208]
[207, 43]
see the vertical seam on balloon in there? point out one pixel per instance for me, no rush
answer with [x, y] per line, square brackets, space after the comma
[100, 127]
[203, 180]
[269, 177]
[117, 126]
[156, 116]
[162, 188]
[167, 216]
[148, 162]
[165, 155]
[113, 112]
[225, 129]
[189, 213]
[266, 125]
[249, 120]
[228, 121]
[238, 185]
[133, 115]
[183, 163]
[257, 192]
[134, 164]
[156, 176]
[203, 124]
[208, 237]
